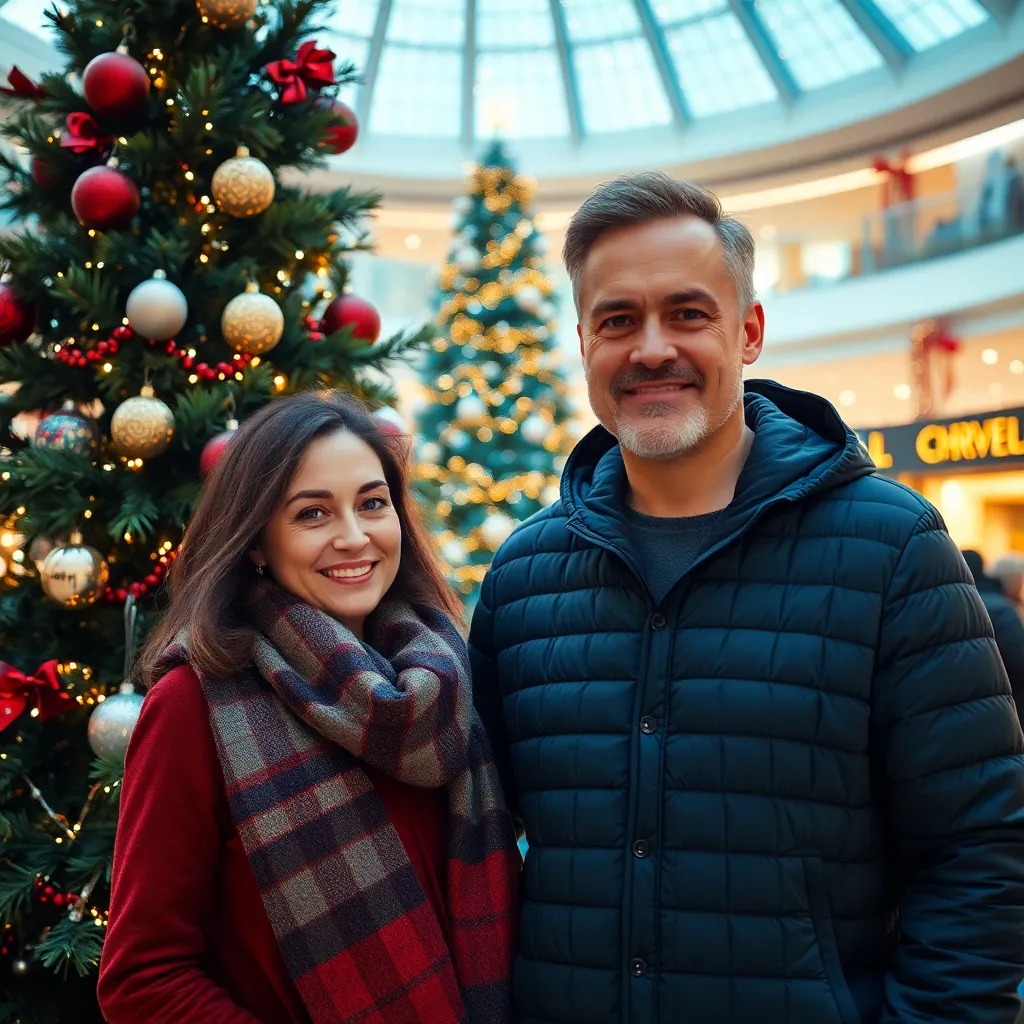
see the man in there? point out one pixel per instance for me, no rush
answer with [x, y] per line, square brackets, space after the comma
[747, 701]
[1000, 594]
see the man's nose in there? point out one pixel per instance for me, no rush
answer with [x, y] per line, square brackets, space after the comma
[654, 346]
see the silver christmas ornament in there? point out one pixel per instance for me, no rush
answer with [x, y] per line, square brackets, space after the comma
[157, 308]
[74, 575]
[111, 724]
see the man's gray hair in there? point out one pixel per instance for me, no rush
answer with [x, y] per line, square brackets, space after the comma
[649, 196]
[1008, 567]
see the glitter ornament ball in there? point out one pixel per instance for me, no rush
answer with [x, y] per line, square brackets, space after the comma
[74, 575]
[104, 198]
[243, 186]
[157, 309]
[252, 322]
[17, 317]
[143, 426]
[115, 84]
[352, 311]
[67, 431]
[111, 724]
[226, 13]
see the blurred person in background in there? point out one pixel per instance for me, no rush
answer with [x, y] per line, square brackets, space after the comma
[1000, 594]
[744, 695]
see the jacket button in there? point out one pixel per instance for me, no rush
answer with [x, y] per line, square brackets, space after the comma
[648, 724]
[641, 849]
[658, 621]
[637, 967]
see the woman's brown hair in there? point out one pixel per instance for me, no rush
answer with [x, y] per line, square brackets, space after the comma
[240, 496]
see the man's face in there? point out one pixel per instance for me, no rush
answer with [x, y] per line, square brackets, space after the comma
[663, 339]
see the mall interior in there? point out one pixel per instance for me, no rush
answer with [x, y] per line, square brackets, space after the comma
[875, 148]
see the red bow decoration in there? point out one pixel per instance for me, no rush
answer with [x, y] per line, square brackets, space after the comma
[311, 69]
[44, 691]
[899, 186]
[83, 134]
[22, 86]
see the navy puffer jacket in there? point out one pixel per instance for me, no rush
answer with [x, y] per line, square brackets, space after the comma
[792, 792]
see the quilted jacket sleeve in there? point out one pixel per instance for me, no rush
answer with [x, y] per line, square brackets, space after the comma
[949, 751]
[487, 691]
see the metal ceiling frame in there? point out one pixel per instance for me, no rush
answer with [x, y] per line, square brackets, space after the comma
[568, 64]
[380, 28]
[1001, 11]
[655, 35]
[469, 76]
[882, 33]
[750, 20]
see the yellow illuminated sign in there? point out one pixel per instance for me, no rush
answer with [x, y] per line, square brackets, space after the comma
[996, 438]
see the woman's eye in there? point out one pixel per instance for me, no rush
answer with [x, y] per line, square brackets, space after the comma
[375, 504]
[311, 514]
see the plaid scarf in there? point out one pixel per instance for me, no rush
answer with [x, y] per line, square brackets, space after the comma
[355, 928]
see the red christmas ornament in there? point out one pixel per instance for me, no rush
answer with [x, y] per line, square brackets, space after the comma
[342, 135]
[42, 173]
[214, 448]
[17, 318]
[105, 198]
[115, 84]
[352, 311]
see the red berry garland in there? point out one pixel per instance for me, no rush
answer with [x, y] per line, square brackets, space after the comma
[118, 595]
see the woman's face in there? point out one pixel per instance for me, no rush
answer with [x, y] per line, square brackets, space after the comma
[335, 540]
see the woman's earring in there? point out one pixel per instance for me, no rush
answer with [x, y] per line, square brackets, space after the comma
[259, 569]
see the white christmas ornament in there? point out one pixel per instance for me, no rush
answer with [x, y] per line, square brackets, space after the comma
[157, 309]
[496, 529]
[454, 552]
[111, 724]
[529, 299]
[470, 408]
[534, 429]
[430, 453]
[467, 260]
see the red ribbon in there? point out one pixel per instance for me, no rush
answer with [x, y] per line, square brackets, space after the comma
[311, 69]
[83, 135]
[22, 86]
[901, 178]
[43, 691]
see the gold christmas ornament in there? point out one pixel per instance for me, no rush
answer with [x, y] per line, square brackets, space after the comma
[142, 427]
[74, 575]
[252, 322]
[243, 186]
[227, 13]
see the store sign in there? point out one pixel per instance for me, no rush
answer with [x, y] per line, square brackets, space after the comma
[990, 439]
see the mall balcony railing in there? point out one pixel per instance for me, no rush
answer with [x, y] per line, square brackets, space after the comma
[908, 233]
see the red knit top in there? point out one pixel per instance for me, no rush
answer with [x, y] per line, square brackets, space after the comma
[189, 941]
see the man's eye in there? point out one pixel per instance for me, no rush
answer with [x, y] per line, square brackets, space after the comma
[691, 314]
[615, 322]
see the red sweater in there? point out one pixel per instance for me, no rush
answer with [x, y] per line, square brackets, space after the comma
[189, 941]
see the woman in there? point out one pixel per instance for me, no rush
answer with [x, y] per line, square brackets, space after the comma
[312, 828]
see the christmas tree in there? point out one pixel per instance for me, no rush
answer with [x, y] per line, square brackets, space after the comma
[496, 412]
[162, 284]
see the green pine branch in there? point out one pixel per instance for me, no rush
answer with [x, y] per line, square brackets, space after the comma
[72, 945]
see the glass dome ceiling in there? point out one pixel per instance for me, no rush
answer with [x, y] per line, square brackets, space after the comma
[542, 69]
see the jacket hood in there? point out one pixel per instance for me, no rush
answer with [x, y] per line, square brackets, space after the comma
[801, 446]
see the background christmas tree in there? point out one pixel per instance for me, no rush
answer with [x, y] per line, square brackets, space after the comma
[94, 495]
[495, 419]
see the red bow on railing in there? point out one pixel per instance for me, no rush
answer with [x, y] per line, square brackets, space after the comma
[311, 69]
[900, 184]
[22, 86]
[83, 135]
[43, 691]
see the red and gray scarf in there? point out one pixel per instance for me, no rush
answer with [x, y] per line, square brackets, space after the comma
[353, 924]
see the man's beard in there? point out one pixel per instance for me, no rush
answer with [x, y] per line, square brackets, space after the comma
[655, 435]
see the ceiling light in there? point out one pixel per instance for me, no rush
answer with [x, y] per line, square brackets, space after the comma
[413, 241]
[1016, 366]
[990, 357]
[902, 392]
[847, 397]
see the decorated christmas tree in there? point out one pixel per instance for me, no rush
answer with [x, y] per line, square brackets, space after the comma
[495, 420]
[163, 283]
